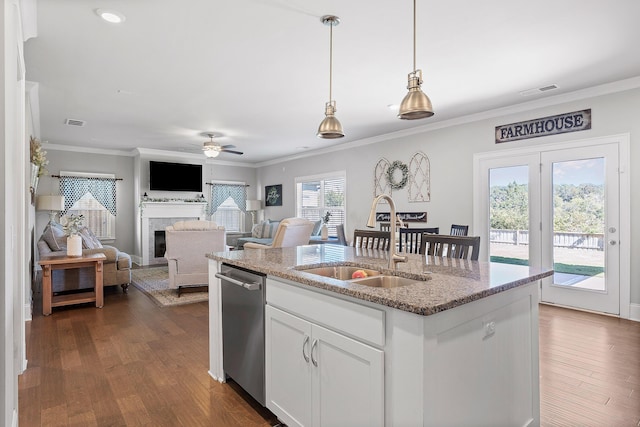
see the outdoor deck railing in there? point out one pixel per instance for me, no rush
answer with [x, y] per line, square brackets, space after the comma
[594, 241]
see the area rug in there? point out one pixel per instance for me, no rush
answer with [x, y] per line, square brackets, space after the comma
[155, 283]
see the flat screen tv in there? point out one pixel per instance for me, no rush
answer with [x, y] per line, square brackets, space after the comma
[165, 176]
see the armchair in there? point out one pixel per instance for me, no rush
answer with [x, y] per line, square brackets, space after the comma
[187, 242]
[291, 232]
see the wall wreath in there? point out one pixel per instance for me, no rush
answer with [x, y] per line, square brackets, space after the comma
[397, 165]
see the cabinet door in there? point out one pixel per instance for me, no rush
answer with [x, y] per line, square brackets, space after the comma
[288, 372]
[348, 381]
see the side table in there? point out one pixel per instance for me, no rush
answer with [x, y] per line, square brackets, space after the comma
[63, 262]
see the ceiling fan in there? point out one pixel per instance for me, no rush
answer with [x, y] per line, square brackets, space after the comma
[213, 149]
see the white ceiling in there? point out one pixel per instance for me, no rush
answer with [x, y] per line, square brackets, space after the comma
[257, 72]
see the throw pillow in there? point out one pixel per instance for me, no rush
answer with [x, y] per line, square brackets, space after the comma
[89, 240]
[55, 238]
[261, 230]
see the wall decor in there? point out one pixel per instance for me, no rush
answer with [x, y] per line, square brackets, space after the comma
[273, 195]
[397, 180]
[420, 178]
[380, 183]
[544, 126]
[404, 216]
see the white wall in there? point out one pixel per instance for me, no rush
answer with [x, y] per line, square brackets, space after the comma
[450, 150]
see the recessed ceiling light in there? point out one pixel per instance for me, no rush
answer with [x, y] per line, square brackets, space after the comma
[111, 16]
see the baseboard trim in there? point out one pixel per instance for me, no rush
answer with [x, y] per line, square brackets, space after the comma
[634, 312]
[27, 312]
[136, 259]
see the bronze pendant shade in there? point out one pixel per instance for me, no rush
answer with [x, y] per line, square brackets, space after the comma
[416, 104]
[330, 127]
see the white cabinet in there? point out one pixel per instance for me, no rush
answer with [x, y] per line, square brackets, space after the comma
[317, 377]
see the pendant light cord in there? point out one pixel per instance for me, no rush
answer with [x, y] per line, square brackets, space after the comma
[414, 35]
[330, 59]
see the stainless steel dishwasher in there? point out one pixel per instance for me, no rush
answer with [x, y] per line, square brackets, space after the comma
[243, 301]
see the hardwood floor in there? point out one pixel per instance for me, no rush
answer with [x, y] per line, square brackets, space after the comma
[130, 363]
[133, 363]
[589, 369]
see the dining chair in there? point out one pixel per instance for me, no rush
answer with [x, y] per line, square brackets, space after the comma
[385, 226]
[451, 246]
[459, 230]
[342, 238]
[409, 239]
[371, 239]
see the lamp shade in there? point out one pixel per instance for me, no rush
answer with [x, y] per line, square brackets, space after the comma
[50, 203]
[253, 205]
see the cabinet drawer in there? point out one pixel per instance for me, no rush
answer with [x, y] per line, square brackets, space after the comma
[361, 322]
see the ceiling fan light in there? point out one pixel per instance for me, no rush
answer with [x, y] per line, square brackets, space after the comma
[330, 127]
[211, 153]
[416, 104]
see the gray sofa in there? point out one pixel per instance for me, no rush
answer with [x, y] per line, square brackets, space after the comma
[264, 232]
[116, 268]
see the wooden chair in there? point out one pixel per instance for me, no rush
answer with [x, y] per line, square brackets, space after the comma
[459, 230]
[371, 239]
[409, 239]
[451, 246]
[342, 238]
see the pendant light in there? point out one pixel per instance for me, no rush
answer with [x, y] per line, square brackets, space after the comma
[416, 104]
[330, 127]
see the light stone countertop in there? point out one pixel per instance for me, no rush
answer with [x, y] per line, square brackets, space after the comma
[448, 283]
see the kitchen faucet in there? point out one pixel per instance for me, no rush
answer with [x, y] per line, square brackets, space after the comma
[394, 257]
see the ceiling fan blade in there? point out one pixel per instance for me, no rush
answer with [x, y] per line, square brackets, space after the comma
[224, 147]
[231, 151]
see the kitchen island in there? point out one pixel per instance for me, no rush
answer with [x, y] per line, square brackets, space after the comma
[459, 346]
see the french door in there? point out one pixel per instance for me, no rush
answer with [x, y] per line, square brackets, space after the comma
[556, 208]
[580, 227]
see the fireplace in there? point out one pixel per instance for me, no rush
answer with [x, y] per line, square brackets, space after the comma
[156, 216]
[159, 244]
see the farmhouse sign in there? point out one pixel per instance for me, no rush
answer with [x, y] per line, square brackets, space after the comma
[545, 126]
[404, 216]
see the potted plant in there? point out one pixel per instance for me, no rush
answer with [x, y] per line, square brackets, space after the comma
[38, 159]
[324, 231]
[72, 231]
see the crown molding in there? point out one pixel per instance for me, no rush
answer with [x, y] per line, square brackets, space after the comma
[592, 92]
[605, 89]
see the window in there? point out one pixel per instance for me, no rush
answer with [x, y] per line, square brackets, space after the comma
[91, 195]
[316, 195]
[228, 204]
[229, 215]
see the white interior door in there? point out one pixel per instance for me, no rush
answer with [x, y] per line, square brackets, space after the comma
[580, 227]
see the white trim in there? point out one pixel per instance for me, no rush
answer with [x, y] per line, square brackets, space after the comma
[605, 89]
[623, 141]
[32, 89]
[321, 176]
[634, 312]
[27, 312]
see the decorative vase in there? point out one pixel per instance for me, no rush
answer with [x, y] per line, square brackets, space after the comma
[74, 245]
[324, 232]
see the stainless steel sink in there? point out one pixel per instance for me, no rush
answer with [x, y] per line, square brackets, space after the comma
[340, 272]
[385, 281]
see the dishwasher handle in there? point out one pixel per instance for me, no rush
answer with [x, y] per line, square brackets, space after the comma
[248, 286]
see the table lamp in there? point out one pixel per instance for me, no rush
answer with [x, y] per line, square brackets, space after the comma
[51, 203]
[252, 207]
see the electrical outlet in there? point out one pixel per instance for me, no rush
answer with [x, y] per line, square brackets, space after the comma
[489, 329]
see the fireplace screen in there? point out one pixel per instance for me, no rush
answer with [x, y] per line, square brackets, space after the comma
[159, 245]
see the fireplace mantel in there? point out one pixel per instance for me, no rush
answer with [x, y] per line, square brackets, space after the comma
[157, 214]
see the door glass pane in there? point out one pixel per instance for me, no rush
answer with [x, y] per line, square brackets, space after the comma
[509, 215]
[578, 224]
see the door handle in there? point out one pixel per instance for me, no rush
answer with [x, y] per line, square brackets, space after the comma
[612, 242]
[313, 359]
[304, 344]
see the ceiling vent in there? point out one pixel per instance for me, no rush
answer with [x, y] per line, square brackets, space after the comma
[74, 122]
[537, 90]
